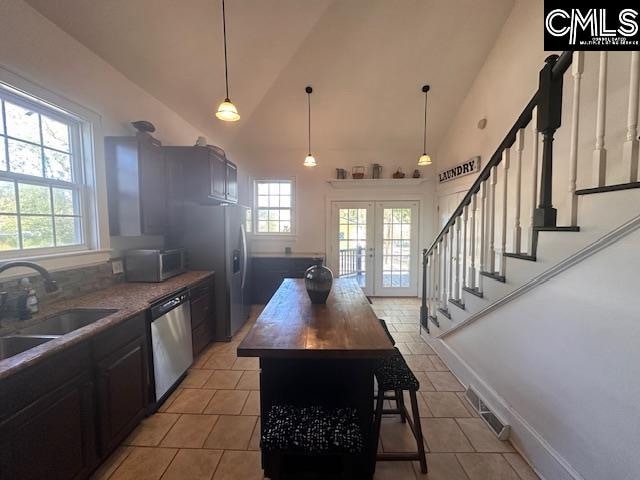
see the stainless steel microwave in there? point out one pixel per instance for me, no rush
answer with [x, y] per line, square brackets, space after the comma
[148, 265]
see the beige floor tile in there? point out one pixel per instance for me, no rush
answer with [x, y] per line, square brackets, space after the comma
[425, 383]
[445, 404]
[239, 466]
[193, 465]
[254, 443]
[191, 400]
[442, 466]
[231, 432]
[396, 436]
[482, 439]
[225, 348]
[170, 399]
[485, 466]
[522, 468]
[190, 431]
[202, 359]
[144, 463]
[467, 405]
[407, 327]
[227, 402]
[445, 382]
[403, 337]
[394, 471]
[247, 363]
[112, 463]
[195, 378]
[152, 430]
[252, 405]
[422, 405]
[444, 435]
[220, 361]
[438, 364]
[419, 363]
[223, 380]
[420, 348]
[250, 380]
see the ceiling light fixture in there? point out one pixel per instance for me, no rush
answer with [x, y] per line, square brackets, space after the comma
[227, 111]
[424, 158]
[309, 161]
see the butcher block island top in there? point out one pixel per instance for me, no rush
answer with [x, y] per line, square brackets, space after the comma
[291, 326]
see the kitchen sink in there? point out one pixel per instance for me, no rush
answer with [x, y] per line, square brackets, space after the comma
[67, 321]
[13, 345]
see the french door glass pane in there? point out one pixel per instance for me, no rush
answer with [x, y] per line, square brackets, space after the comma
[352, 236]
[396, 247]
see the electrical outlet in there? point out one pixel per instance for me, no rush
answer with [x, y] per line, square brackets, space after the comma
[117, 267]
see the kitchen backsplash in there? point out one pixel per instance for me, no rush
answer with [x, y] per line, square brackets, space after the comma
[71, 283]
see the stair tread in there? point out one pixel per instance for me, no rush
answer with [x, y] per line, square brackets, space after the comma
[458, 303]
[445, 312]
[473, 291]
[608, 188]
[567, 228]
[495, 276]
[521, 256]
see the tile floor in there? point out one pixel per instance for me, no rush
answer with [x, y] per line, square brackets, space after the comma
[209, 428]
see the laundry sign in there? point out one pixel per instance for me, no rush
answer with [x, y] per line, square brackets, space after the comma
[465, 168]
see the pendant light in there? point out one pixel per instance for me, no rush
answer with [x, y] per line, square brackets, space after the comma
[424, 158]
[309, 161]
[227, 111]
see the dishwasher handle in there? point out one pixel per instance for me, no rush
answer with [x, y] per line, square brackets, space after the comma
[168, 304]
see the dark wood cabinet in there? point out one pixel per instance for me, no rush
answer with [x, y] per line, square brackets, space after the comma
[122, 381]
[48, 419]
[202, 315]
[136, 185]
[202, 175]
[269, 272]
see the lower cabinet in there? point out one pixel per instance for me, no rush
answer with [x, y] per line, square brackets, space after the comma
[202, 315]
[268, 273]
[122, 381]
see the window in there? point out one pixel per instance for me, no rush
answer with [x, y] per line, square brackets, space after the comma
[274, 207]
[40, 177]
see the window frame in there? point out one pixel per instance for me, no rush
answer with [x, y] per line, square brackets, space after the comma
[85, 130]
[291, 208]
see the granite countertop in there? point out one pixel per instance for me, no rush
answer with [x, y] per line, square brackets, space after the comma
[128, 298]
[287, 255]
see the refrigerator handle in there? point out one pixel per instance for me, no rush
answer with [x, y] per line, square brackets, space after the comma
[243, 239]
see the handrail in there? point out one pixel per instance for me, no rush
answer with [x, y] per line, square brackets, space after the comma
[562, 64]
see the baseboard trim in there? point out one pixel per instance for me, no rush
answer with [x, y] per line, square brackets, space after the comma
[544, 459]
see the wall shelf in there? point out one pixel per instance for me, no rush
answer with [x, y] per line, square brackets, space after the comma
[376, 182]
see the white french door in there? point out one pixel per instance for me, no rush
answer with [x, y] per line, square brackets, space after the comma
[377, 243]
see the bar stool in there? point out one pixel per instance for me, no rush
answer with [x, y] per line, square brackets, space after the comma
[394, 375]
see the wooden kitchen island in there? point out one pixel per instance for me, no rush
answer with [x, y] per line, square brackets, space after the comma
[322, 355]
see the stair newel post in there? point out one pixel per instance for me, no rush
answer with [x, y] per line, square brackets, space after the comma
[451, 260]
[600, 152]
[577, 68]
[630, 148]
[506, 159]
[491, 219]
[465, 227]
[423, 306]
[481, 236]
[456, 287]
[471, 276]
[549, 120]
[517, 228]
[535, 142]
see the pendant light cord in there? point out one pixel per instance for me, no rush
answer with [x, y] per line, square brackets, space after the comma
[309, 123]
[424, 138]
[226, 66]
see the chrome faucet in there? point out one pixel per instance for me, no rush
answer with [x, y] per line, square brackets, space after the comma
[50, 285]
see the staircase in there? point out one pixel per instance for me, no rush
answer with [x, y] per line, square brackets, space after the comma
[517, 225]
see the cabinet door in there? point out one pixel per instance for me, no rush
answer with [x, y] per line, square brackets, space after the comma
[218, 171]
[202, 323]
[122, 391]
[232, 182]
[53, 438]
[153, 188]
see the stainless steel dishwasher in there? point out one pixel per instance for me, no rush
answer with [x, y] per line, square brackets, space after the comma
[172, 350]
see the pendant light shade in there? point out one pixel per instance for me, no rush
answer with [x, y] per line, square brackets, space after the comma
[424, 158]
[309, 160]
[227, 111]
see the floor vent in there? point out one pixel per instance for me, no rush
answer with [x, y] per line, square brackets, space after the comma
[500, 427]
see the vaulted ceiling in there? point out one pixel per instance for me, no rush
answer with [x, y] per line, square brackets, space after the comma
[366, 59]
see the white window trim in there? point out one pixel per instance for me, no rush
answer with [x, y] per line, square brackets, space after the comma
[294, 209]
[95, 248]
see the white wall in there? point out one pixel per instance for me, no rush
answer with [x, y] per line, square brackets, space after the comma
[564, 359]
[39, 51]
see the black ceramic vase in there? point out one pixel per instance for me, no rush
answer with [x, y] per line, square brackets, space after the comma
[318, 280]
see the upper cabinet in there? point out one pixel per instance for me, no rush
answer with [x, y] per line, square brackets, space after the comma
[136, 185]
[205, 175]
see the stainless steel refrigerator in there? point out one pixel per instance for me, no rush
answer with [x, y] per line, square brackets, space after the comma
[215, 238]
